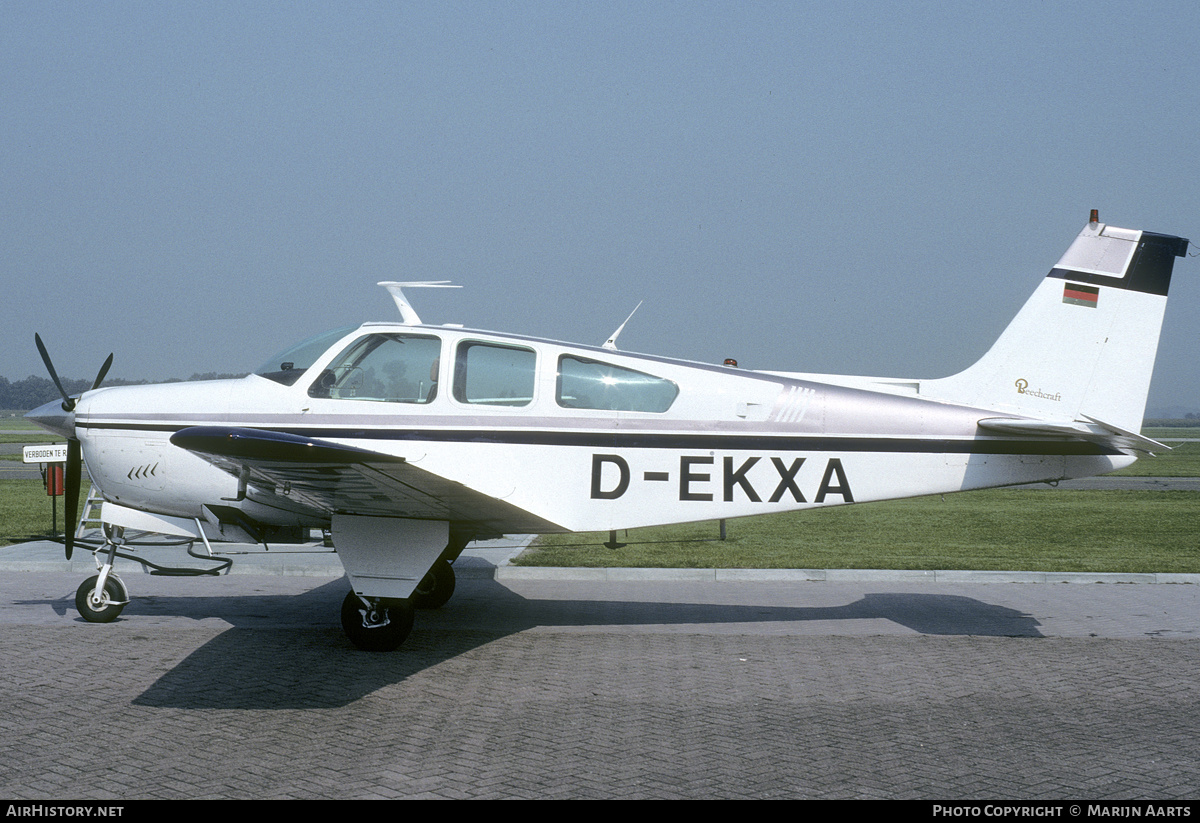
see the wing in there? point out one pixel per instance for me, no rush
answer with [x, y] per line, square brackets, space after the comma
[337, 479]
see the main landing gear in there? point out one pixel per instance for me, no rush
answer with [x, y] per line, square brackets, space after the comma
[380, 624]
[377, 624]
[435, 587]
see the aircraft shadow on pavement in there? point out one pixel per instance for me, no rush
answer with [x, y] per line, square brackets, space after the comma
[312, 665]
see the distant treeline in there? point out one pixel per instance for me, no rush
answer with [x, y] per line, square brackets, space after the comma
[34, 391]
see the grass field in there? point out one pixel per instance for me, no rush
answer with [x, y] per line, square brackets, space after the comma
[1000, 529]
[25, 511]
[1182, 461]
[1042, 530]
[1052, 530]
[19, 430]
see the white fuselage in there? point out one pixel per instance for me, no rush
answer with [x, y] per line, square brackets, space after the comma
[728, 443]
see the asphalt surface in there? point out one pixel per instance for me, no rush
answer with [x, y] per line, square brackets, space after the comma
[602, 684]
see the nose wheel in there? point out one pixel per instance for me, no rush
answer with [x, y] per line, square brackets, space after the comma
[102, 597]
[377, 624]
[101, 602]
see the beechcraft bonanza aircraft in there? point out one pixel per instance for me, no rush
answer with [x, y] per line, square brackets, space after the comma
[406, 440]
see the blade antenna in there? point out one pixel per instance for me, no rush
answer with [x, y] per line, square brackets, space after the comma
[408, 315]
[611, 342]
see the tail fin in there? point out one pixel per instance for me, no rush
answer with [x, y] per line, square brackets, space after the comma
[1083, 346]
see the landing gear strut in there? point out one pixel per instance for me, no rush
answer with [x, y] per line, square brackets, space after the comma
[377, 624]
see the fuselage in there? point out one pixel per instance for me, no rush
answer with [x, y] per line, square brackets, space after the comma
[581, 438]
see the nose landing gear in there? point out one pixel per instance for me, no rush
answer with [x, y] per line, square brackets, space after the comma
[101, 602]
[101, 598]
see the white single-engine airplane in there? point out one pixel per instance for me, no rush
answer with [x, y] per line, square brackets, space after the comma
[407, 440]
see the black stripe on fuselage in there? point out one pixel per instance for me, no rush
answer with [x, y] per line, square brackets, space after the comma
[669, 440]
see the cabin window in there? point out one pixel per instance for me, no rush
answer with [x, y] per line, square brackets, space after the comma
[494, 375]
[287, 366]
[590, 384]
[389, 368]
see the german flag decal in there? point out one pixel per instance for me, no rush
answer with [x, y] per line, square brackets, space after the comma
[1078, 295]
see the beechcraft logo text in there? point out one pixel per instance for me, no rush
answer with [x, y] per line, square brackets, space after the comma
[1023, 388]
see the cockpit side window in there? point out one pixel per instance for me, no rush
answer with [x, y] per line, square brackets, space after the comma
[494, 375]
[590, 384]
[389, 368]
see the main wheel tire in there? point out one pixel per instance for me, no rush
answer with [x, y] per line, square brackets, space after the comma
[436, 587]
[381, 628]
[107, 607]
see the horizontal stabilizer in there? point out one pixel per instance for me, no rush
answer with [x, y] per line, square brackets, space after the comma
[1089, 429]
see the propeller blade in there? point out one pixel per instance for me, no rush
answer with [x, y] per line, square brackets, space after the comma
[71, 490]
[74, 468]
[103, 371]
[68, 403]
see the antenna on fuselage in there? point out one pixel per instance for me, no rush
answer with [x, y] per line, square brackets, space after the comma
[408, 315]
[611, 342]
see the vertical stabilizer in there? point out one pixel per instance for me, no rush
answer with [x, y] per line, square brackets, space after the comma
[1083, 346]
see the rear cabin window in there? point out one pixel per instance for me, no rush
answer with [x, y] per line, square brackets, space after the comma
[493, 375]
[389, 368]
[591, 384]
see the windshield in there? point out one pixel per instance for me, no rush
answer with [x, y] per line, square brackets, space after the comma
[287, 366]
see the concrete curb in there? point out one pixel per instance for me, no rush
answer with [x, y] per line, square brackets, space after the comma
[492, 559]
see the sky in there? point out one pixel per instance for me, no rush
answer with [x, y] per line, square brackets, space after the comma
[853, 187]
